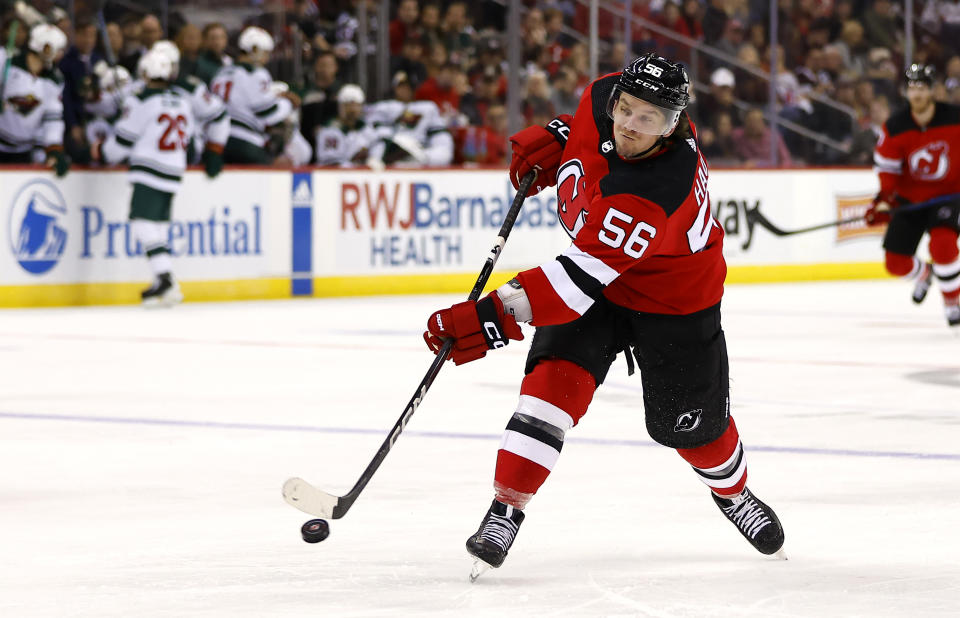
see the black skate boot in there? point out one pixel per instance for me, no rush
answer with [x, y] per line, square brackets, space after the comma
[923, 283]
[494, 537]
[755, 520]
[952, 312]
[163, 292]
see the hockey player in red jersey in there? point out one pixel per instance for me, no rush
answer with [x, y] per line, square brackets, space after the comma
[915, 163]
[644, 276]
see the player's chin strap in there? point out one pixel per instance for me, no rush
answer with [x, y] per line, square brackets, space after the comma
[657, 144]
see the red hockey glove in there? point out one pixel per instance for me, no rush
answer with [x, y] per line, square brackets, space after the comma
[539, 148]
[462, 323]
[879, 211]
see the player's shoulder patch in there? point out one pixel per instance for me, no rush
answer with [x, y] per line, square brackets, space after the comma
[664, 180]
[900, 122]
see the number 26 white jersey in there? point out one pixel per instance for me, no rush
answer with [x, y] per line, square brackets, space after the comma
[154, 133]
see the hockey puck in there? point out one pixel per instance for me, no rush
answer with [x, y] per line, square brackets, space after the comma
[315, 530]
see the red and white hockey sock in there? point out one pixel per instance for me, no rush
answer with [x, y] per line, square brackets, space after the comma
[553, 398]
[946, 262]
[908, 267]
[721, 464]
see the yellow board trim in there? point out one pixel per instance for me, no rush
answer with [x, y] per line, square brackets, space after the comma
[60, 295]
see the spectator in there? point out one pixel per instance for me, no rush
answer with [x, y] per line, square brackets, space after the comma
[753, 142]
[482, 96]
[213, 52]
[150, 31]
[77, 69]
[732, 38]
[404, 25]
[115, 39]
[347, 138]
[565, 98]
[320, 101]
[880, 26]
[536, 101]
[714, 21]
[720, 99]
[410, 61]
[942, 19]
[485, 145]
[853, 47]
[864, 142]
[883, 73]
[750, 87]
[440, 90]
[717, 142]
[188, 42]
[458, 33]
[430, 24]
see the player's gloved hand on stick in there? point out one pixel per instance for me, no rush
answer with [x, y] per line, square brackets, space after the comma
[475, 327]
[212, 159]
[879, 211]
[539, 148]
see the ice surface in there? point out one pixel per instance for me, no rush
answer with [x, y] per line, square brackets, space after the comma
[143, 454]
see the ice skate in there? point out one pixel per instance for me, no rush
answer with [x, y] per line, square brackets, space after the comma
[165, 292]
[494, 537]
[952, 313]
[755, 520]
[923, 283]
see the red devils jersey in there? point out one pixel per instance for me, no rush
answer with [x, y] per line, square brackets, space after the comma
[920, 164]
[643, 233]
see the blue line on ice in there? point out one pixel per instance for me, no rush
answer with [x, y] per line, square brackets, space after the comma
[797, 450]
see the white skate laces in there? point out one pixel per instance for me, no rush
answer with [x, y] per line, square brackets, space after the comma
[500, 529]
[746, 514]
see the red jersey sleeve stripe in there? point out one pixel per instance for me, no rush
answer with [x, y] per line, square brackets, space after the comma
[546, 305]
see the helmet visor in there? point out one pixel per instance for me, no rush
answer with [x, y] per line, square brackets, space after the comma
[639, 115]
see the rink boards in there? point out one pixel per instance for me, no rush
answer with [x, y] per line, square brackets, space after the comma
[279, 233]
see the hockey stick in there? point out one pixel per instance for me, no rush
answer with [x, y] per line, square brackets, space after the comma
[304, 496]
[108, 52]
[11, 41]
[754, 216]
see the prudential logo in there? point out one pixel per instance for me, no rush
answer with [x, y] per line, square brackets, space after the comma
[37, 237]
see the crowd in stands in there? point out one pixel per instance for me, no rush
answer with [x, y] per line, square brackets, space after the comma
[836, 80]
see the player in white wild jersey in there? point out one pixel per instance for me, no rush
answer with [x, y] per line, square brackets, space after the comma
[253, 106]
[31, 109]
[153, 134]
[112, 86]
[347, 138]
[410, 131]
[209, 112]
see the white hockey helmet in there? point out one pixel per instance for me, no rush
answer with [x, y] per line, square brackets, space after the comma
[171, 51]
[47, 41]
[351, 93]
[253, 40]
[154, 65]
[111, 78]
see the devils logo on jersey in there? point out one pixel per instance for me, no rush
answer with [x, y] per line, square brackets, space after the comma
[932, 162]
[24, 104]
[572, 199]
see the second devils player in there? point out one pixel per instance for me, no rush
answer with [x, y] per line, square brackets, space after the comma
[643, 276]
[914, 163]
